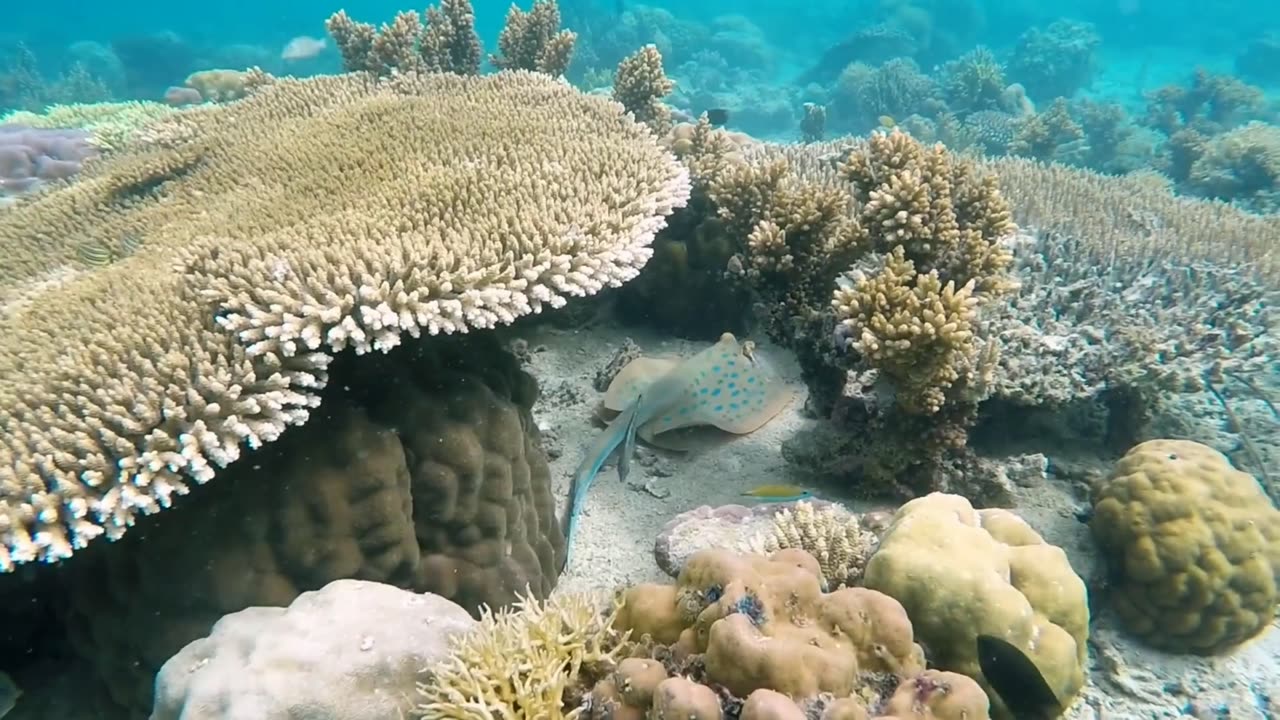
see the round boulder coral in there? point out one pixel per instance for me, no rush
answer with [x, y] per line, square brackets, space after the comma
[764, 622]
[1194, 544]
[961, 573]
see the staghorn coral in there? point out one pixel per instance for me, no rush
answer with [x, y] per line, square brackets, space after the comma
[258, 260]
[1193, 545]
[530, 661]
[940, 224]
[640, 84]
[832, 535]
[797, 225]
[962, 572]
[946, 213]
[534, 41]
[445, 42]
[919, 333]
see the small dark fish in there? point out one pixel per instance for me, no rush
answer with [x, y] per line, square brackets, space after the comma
[1017, 680]
[717, 116]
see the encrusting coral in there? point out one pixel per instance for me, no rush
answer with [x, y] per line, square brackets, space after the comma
[1193, 545]
[961, 572]
[313, 216]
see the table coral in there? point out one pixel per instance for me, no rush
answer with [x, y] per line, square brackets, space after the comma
[961, 572]
[1194, 545]
[311, 217]
[425, 473]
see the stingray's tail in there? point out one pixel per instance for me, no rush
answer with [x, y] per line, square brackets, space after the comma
[605, 443]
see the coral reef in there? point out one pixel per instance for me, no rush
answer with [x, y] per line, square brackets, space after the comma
[433, 235]
[640, 84]
[974, 81]
[445, 42]
[1057, 61]
[1241, 165]
[724, 605]
[1202, 272]
[832, 535]
[111, 126]
[533, 40]
[863, 94]
[529, 661]
[352, 649]
[691, 256]
[226, 85]
[424, 472]
[961, 572]
[31, 157]
[1193, 546]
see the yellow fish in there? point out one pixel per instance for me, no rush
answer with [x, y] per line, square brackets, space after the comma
[887, 121]
[779, 493]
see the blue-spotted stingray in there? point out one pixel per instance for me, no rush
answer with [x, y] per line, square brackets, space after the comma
[726, 386]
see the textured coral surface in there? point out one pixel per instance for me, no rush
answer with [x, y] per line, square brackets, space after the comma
[1194, 546]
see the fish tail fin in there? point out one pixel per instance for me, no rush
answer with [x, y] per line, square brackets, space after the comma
[599, 451]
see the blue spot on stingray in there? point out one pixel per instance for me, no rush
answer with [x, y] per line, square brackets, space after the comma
[733, 405]
[684, 411]
[719, 408]
[733, 375]
[703, 391]
[666, 419]
[716, 391]
[732, 363]
[736, 393]
[751, 379]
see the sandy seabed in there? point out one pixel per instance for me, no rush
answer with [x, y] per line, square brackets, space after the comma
[614, 543]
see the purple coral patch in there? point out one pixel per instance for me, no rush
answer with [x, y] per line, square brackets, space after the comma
[31, 156]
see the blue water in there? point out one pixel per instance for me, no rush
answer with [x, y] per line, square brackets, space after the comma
[1179, 34]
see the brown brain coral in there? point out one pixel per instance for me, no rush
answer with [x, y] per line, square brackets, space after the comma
[315, 215]
[1195, 543]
